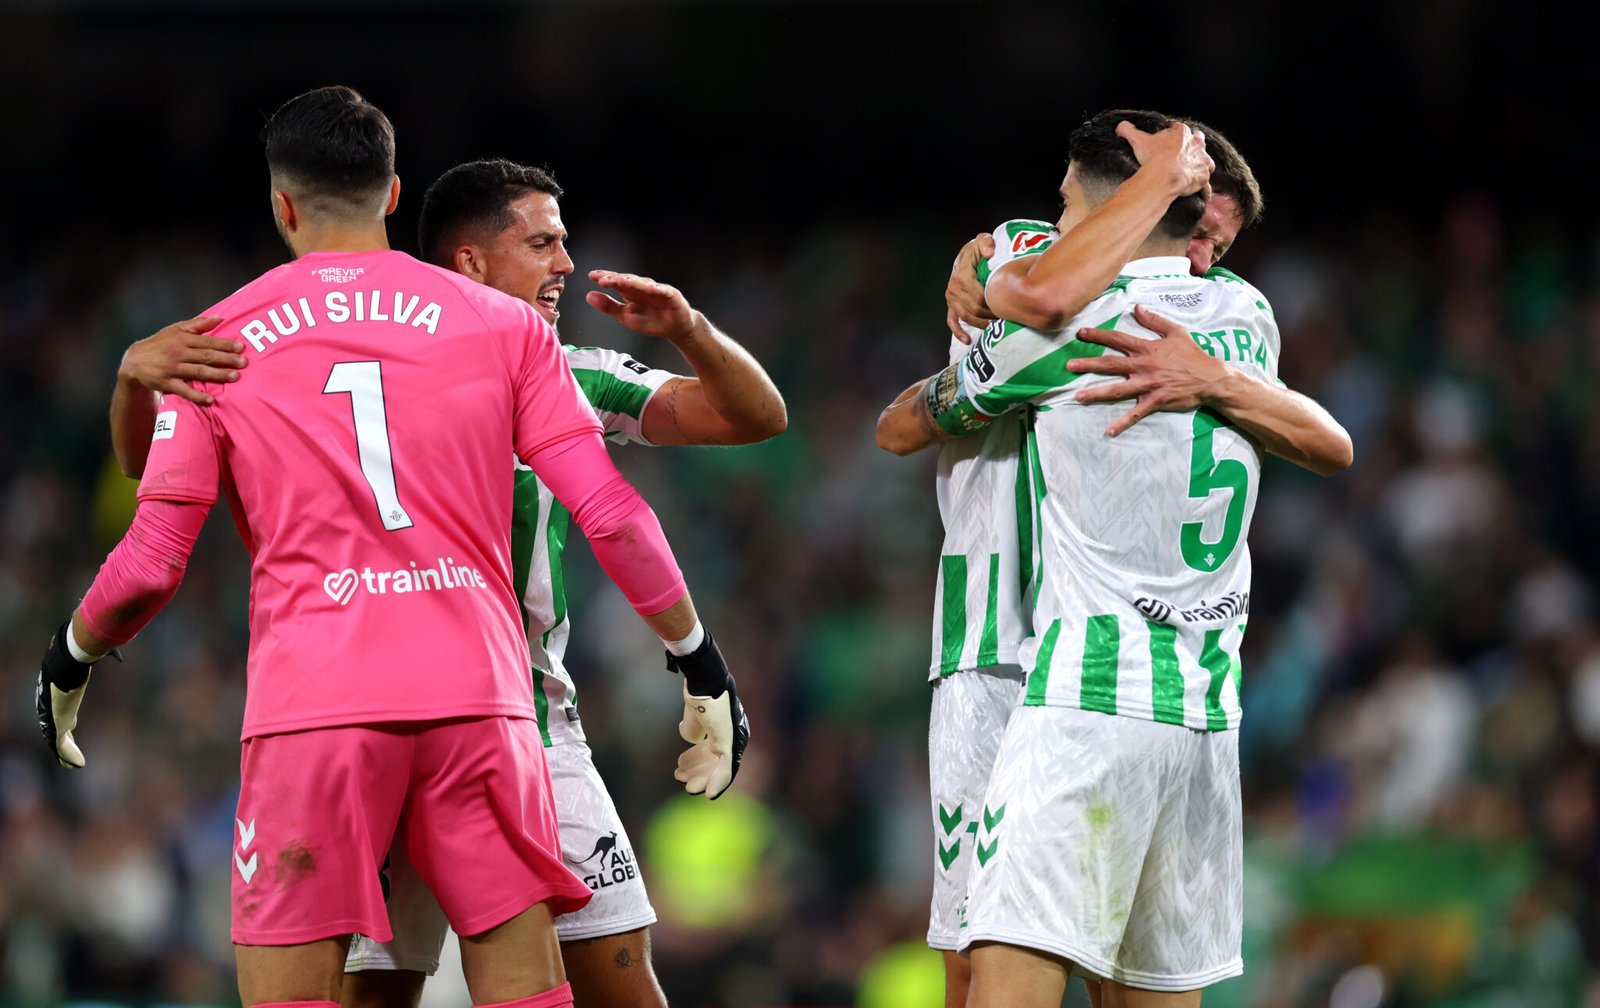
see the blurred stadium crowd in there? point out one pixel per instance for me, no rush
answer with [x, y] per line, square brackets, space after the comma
[1422, 671]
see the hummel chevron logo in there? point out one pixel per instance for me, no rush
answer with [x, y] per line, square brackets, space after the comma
[985, 853]
[949, 820]
[247, 836]
[948, 855]
[990, 822]
[247, 869]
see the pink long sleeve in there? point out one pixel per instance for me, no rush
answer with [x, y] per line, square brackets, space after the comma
[623, 531]
[142, 573]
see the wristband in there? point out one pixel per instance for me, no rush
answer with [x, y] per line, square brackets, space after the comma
[76, 650]
[689, 644]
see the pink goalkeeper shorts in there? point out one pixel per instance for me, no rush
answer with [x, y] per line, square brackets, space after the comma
[318, 809]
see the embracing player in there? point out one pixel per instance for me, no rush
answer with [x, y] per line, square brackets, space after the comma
[1058, 281]
[499, 223]
[387, 689]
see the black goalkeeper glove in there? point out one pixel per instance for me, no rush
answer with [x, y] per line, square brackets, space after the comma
[713, 720]
[57, 696]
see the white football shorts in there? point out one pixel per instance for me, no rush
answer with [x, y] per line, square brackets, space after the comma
[1115, 843]
[965, 725]
[593, 844]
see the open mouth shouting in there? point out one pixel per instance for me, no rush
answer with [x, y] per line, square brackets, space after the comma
[546, 303]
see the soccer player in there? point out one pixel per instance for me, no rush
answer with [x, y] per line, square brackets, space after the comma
[499, 223]
[362, 454]
[1061, 849]
[981, 486]
[986, 575]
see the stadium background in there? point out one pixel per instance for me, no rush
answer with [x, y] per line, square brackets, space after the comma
[1423, 666]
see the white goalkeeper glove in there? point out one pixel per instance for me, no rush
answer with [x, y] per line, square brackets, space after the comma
[57, 696]
[713, 721]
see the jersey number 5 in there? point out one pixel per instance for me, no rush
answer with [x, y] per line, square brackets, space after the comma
[363, 381]
[1206, 476]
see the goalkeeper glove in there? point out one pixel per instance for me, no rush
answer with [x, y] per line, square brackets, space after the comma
[713, 720]
[57, 696]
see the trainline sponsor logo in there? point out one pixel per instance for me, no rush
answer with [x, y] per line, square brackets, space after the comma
[444, 575]
[1227, 607]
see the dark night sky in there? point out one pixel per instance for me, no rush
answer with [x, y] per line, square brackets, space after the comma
[766, 116]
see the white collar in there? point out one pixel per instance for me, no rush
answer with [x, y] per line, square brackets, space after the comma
[1154, 266]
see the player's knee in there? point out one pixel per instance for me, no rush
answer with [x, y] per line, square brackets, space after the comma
[382, 989]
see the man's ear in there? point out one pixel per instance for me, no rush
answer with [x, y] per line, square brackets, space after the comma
[394, 196]
[470, 262]
[284, 210]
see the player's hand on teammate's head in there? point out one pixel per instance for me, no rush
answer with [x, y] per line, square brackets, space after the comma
[1179, 150]
[58, 693]
[963, 295]
[182, 353]
[713, 721]
[643, 305]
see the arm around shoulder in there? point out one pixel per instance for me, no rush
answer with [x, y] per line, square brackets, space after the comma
[1290, 425]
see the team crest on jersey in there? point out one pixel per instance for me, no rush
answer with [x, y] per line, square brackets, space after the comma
[337, 274]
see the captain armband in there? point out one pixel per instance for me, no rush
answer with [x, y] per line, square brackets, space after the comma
[951, 404]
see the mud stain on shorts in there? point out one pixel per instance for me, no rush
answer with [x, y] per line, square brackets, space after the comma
[296, 862]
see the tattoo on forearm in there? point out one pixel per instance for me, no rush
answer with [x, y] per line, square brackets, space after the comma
[925, 419]
[624, 958]
[671, 406]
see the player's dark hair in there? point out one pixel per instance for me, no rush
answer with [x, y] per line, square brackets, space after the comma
[1232, 176]
[333, 148]
[1103, 157]
[475, 196]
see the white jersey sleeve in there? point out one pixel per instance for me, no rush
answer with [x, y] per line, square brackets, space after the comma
[618, 387]
[1016, 239]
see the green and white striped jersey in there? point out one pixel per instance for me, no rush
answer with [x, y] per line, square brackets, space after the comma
[986, 563]
[1144, 573]
[617, 387]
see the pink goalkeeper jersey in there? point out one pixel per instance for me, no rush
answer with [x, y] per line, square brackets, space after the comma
[364, 453]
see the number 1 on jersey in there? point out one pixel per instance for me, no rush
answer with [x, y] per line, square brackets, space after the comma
[363, 381]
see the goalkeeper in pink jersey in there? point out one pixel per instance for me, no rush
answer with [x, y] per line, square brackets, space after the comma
[499, 223]
[362, 455]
